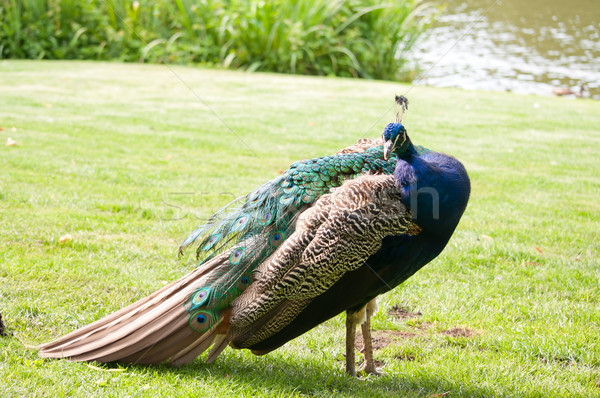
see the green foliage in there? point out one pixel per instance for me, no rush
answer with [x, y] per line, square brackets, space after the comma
[361, 38]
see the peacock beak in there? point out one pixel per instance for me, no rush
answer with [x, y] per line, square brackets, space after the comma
[388, 148]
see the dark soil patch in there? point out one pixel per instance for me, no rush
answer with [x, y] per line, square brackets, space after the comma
[561, 360]
[2, 327]
[403, 313]
[383, 338]
[406, 357]
[459, 332]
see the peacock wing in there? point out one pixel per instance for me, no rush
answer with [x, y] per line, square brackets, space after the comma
[333, 237]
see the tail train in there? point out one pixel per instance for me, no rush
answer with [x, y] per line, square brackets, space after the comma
[151, 330]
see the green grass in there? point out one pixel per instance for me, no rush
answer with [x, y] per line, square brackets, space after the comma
[127, 160]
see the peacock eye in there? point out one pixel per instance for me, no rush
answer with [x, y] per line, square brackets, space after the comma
[201, 318]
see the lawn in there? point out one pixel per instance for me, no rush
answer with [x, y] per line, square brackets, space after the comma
[128, 159]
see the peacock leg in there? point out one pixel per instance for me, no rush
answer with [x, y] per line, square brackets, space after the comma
[369, 367]
[350, 337]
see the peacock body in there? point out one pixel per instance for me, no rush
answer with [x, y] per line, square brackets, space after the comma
[328, 235]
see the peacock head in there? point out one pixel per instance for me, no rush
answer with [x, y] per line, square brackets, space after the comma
[395, 140]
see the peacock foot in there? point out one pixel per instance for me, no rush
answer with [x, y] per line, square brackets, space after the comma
[371, 370]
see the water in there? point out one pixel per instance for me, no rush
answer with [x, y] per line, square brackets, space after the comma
[531, 46]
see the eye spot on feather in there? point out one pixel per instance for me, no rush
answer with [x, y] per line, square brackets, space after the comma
[290, 190]
[200, 298]
[211, 242]
[276, 239]
[201, 321]
[240, 223]
[286, 200]
[266, 217]
[236, 256]
[244, 281]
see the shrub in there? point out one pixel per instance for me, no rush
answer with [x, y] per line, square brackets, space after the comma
[361, 38]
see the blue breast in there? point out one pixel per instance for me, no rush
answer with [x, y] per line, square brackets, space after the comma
[436, 188]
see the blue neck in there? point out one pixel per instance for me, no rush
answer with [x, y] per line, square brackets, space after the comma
[435, 187]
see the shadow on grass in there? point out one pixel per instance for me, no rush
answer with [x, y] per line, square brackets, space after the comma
[239, 373]
[280, 376]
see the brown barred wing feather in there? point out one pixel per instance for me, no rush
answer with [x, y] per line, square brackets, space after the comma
[335, 236]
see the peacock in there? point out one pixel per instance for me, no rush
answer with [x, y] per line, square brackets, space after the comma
[328, 235]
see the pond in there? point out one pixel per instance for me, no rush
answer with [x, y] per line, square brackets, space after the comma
[532, 46]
